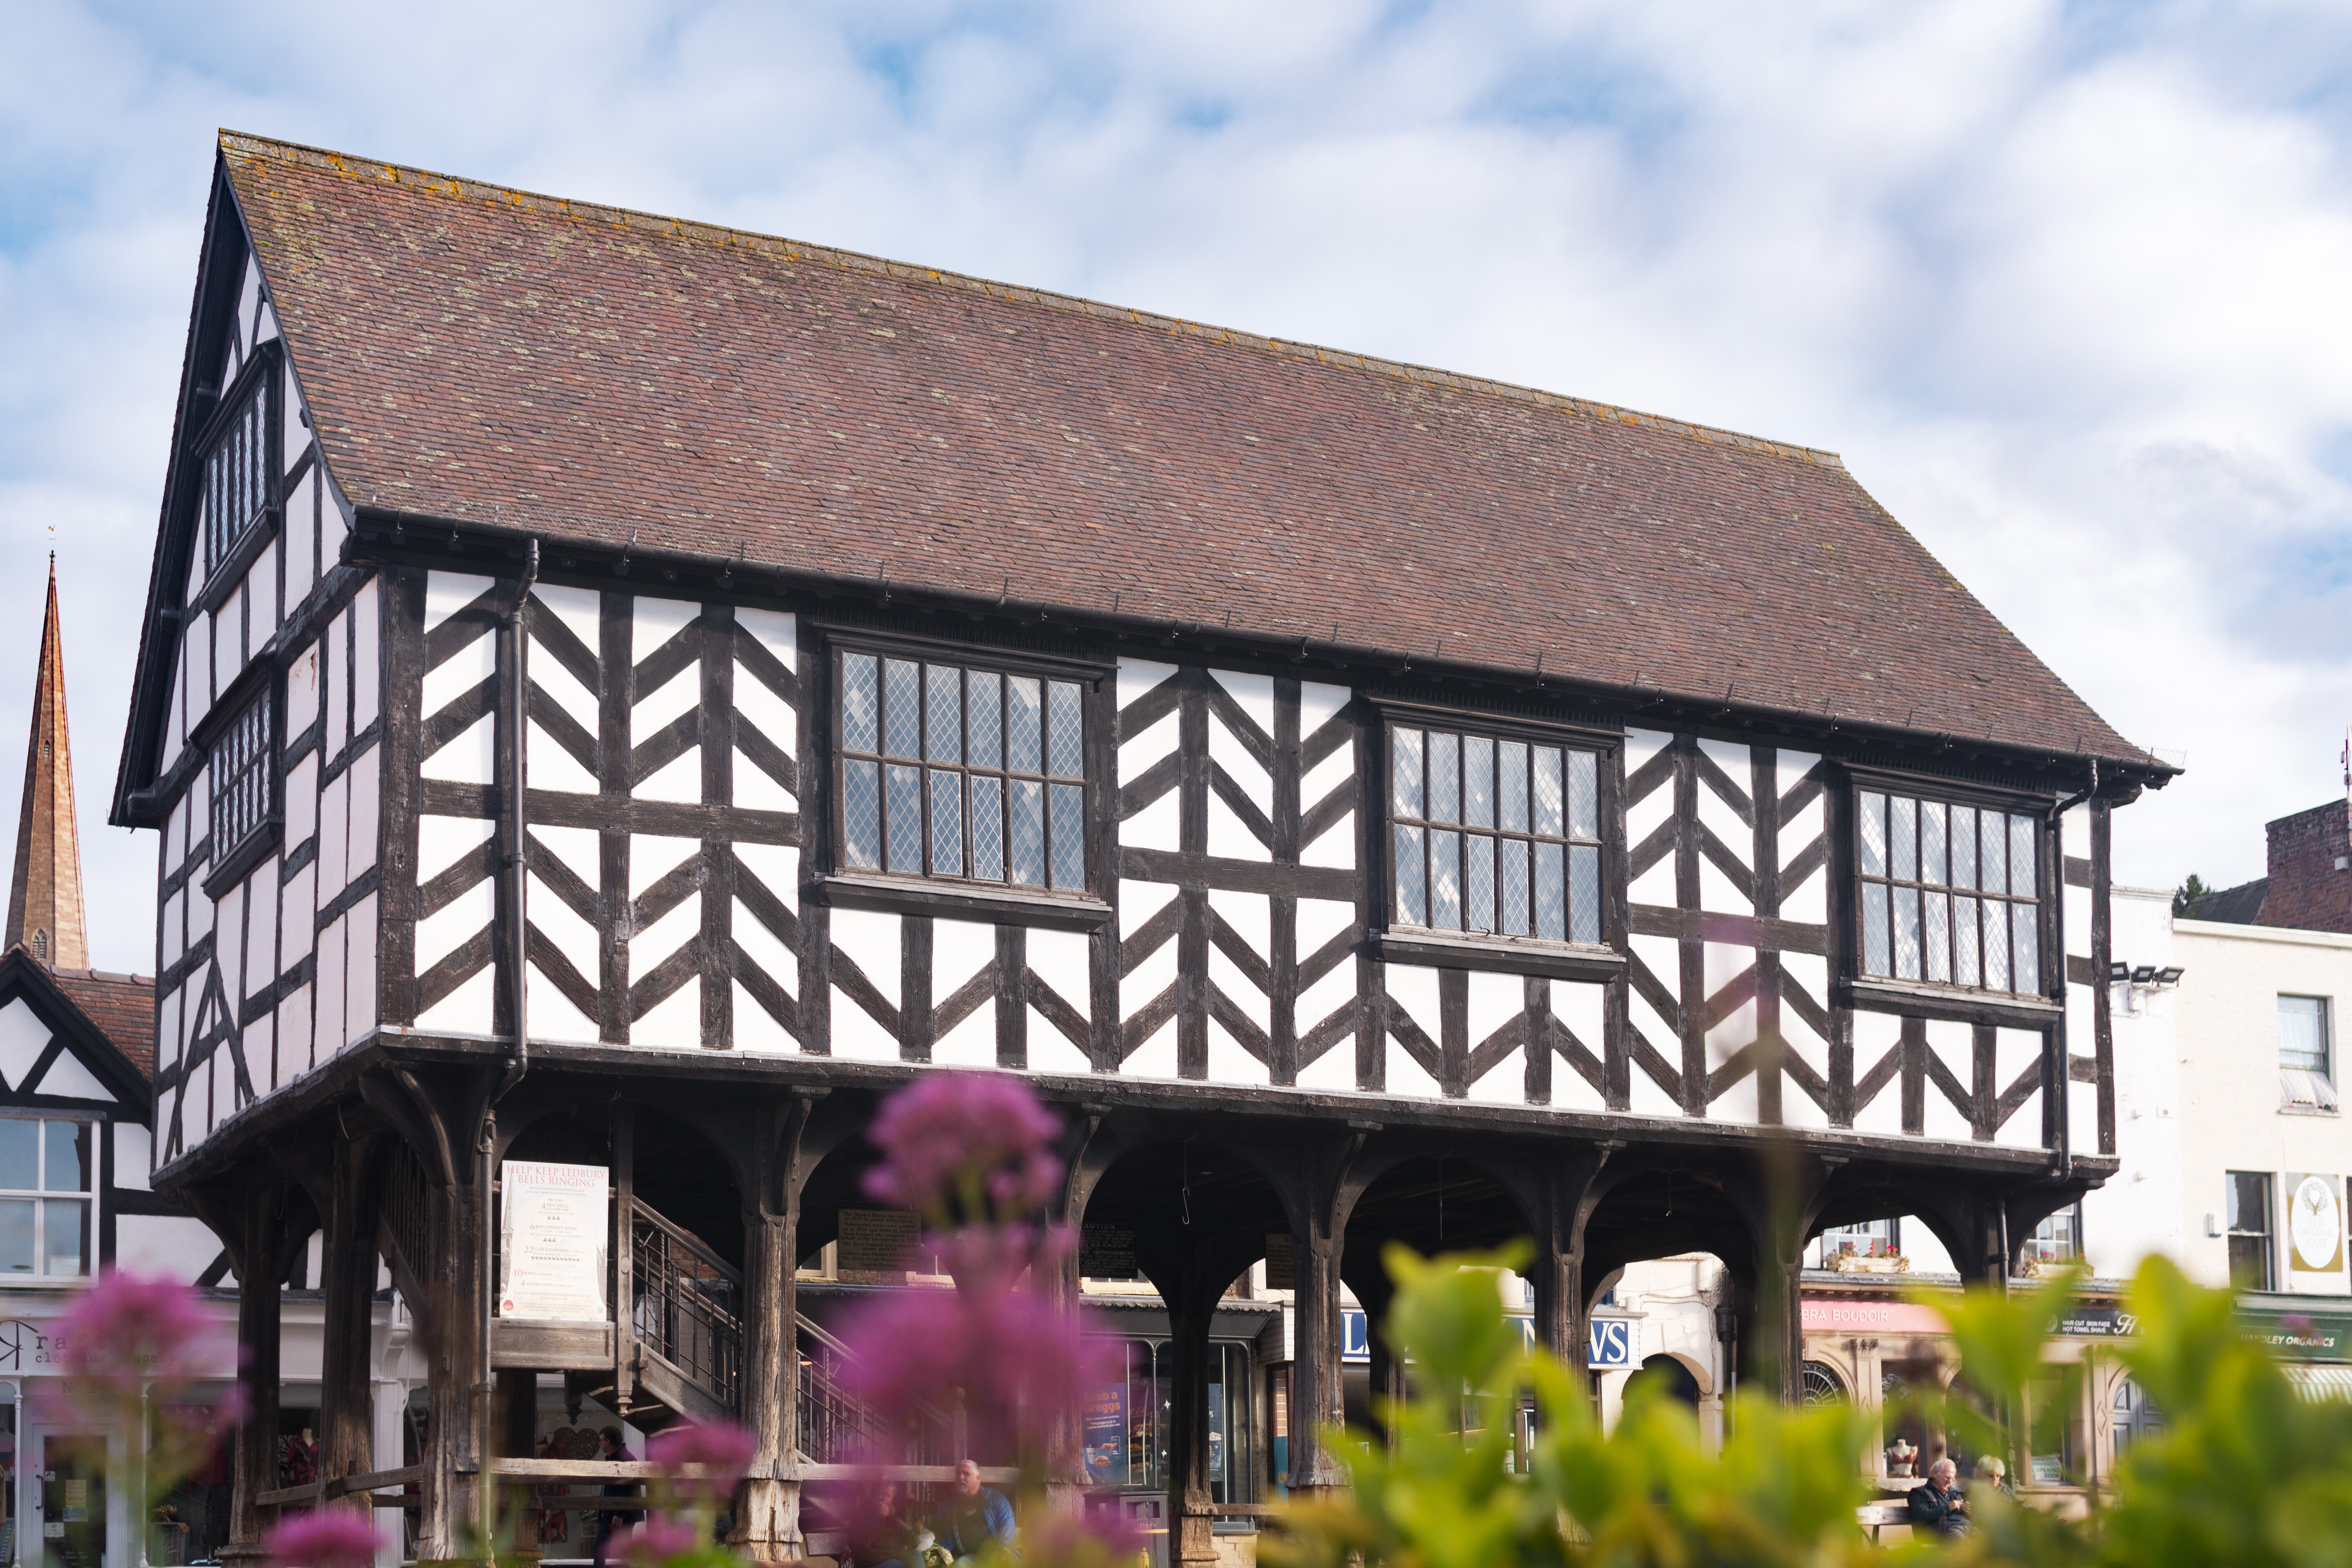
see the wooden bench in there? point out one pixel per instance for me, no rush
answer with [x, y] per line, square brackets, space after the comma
[1882, 1515]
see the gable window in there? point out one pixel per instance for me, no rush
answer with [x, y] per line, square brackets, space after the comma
[237, 475]
[2306, 1064]
[1950, 894]
[1494, 836]
[47, 1172]
[240, 779]
[962, 773]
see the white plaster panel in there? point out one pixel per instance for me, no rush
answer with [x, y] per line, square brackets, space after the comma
[1251, 915]
[171, 944]
[22, 1038]
[1148, 979]
[1720, 963]
[447, 592]
[756, 1028]
[682, 693]
[973, 1042]
[650, 946]
[565, 931]
[1158, 826]
[360, 842]
[554, 1016]
[1581, 1008]
[870, 941]
[441, 932]
[228, 636]
[776, 632]
[1334, 772]
[1239, 988]
[2016, 1052]
[1715, 892]
[777, 867]
[2077, 918]
[366, 644]
[1319, 703]
[1807, 903]
[224, 1088]
[2083, 1114]
[1647, 1096]
[653, 856]
[1229, 1060]
[442, 841]
[200, 915]
[1139, 901]
[579, 609]
[767, 712]
[654, 622]
[1325, 998]
[1655, 886]
[134, 1156]
[464, 1011]
[1413, 989]
[1154, 1057]
[452, 677]
[674, 1023]
[1495, 1000]
[960, 950]
[1137, 677]
[857, 1035]
[294, 1046]
[1227, 751]
[1797, 1106]
[1137, 755]
[1717, 814]
[1875, 1035]
[1320, 919]
[1253, 693]
[755, 789]
[1738, 1104]
[302, 542]
[1333, 1072]
[547, 765]
[761, 947]
[1408, 1078]
[328, 1003]
[1059, 958]
[1228, 838]
[560, 687]
[1954, 1045]
[228, 939]
[303, 801]
[2074, 832]
[261, 953]
[1335, 847]
[302, 691]
[1050, 1050]
[468, 758]
[680, 779]
[335, 642]
[1641, 746]
[576, 849]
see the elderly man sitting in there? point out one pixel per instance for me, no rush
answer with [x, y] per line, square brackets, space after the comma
[973, 1516]
[1937, 1505]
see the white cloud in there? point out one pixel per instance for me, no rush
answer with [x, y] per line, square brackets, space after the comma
[2062, 285]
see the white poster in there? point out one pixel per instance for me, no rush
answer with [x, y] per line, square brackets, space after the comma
[551, 1233]
[2315, 1234]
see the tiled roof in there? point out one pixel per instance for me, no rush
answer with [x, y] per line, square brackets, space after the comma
[121, 1005]
[477, 353]
[2240, 905]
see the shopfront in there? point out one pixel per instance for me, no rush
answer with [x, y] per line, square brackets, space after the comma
[1125, 1431]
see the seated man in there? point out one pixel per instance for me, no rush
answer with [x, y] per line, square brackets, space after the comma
[973, 1515]
[1936, 1505]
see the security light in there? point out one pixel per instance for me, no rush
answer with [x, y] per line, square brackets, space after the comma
[2169, 977]
[2118, 973]
[2144, 975]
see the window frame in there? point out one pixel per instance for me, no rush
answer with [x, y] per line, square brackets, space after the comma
[42, 1195]
[2073, 1215]
[844, 886]
[2324, 1099]
[1945, 999]
[259, 686]
[257, 384]
[2268, 1234]
[1395, 942]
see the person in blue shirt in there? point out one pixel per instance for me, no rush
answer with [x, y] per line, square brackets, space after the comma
[973, 1516]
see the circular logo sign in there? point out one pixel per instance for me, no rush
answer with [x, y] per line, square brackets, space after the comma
[2316, 1223]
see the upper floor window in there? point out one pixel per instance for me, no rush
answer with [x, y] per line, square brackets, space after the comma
[952, 771]
[237, 475]
[1950, 894]
[1495, 836]
[2306, 1068]
[240, 778]
[2058, 1238]
[48, 1171]
[2247, 1195]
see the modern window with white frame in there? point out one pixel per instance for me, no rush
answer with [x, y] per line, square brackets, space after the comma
[1950, 893]
[48, 1181]
[2306, 1054]
[1494, 835]
[962, 773]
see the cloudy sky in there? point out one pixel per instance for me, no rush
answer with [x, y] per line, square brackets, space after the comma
[2070, 286]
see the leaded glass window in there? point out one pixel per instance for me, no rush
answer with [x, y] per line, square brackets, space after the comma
[965, 773]
[1950, 894]
[1495, 836]
[236, 476]
[240, 778]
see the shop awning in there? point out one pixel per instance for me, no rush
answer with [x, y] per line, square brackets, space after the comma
[2314, 1382]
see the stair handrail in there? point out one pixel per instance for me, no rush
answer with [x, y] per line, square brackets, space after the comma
[694, 1243]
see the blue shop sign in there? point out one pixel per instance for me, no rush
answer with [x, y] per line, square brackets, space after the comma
[1610, 1345]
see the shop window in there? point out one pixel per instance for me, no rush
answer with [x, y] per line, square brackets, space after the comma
[2057, 1239]
[47, 1172]
[2248, 1193]
[961, 773]
[2049, 1426]
[2307, 1055]
[1494, 835]
[1950, 893]
[1127, 1422]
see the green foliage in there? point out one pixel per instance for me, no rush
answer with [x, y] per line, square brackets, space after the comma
[2245, 1473]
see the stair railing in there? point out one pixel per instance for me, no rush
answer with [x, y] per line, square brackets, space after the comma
[688, 1304]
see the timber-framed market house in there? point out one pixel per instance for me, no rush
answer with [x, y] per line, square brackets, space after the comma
[625, 693]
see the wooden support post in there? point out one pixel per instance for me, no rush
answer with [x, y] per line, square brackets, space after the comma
[1562, 1198]
[1190, 1539]
[514, 1426]
[347, 1279]
[447, 1527]
[768, 1510]
[260, 1254]
[1317, 1405]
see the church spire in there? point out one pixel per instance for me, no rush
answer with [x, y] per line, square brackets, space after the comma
[45, 895]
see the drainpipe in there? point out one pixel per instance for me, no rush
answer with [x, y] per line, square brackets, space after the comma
[517, 865]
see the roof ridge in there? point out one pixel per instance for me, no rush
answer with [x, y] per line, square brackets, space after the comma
[237, 143]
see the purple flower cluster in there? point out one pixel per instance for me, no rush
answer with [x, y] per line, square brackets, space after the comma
[128, 1342]
[704, 1459]
[965, 1145]
[657, 1541]
[328, 1538]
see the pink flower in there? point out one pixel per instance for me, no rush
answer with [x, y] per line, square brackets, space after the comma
[656, 1541]
[328, 1538]
[722, 1449]
[129, 1332]
[955, 1139]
